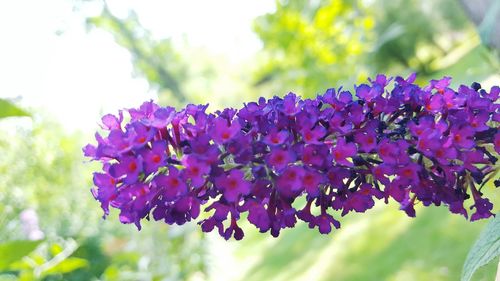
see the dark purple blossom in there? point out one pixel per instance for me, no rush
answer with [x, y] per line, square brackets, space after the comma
[324, 223]
[289, 183]
[258, 216]
[279, 158]
[313, 136]
[367, 141]
[462, 136]
[342, 151]
[233, 185]
[172, 186]
[289, 105]
[105, 191]
[431, 145]
[155, 157]
[315, 155]
[128, 167]
[224, 131]
[311, 181]
[276, 137]
[195, 170]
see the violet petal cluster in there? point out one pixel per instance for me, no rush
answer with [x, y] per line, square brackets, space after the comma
[280, 160]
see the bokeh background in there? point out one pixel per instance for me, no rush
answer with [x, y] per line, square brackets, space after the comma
[64, 63]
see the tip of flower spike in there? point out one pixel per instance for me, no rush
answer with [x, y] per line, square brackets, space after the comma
[406, 143]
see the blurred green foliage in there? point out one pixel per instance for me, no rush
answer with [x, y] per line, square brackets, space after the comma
[383, 244]
[413, 34]
[310, 46]
[13, 251]
[180, 73]
[156, 60]
[42, 169]
[8, 109]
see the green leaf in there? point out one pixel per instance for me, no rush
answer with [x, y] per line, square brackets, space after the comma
[8, 109]
[66, 266]
[486, 248]
[13, 251]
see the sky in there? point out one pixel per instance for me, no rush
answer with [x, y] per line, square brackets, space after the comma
[51, 63]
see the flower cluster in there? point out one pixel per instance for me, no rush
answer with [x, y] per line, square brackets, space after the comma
[278, 160]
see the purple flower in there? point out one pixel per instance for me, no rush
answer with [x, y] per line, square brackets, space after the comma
[478, 121]
[461, 137]
[258, 216]
[439, 85]
[336, 101]
[368, 93]
[339, 123]
[223, 131]
[132, 200]
[280, 158]
[336, 176]
[140, 134]
[425, 124]
[233, 185]
[483, 208]
[359, 201]
[356, 114]
[162, 117]
[289, 183]
[116, 144]
[429, 142]
[111, 122]
[144, 111]
[324, 223]
[313, 136]
[276, 137]
[233, 230]
[196, 170]
[155, 157]
[290, 107]
[366, 141]
[457, 207]
[408, 174]
[380, 173]
[128, 166]
[472, 158]
[106, 190]
[171, 185]
[342, 151]
[183, 210]
[408, 206]
[380, 80]
[311, 181]
[393, 152]
[453, 100]
[431, 145]
[445, 154]
[314, 155]
[434, 103]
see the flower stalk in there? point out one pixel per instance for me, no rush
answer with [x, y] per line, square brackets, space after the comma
[431, 145]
